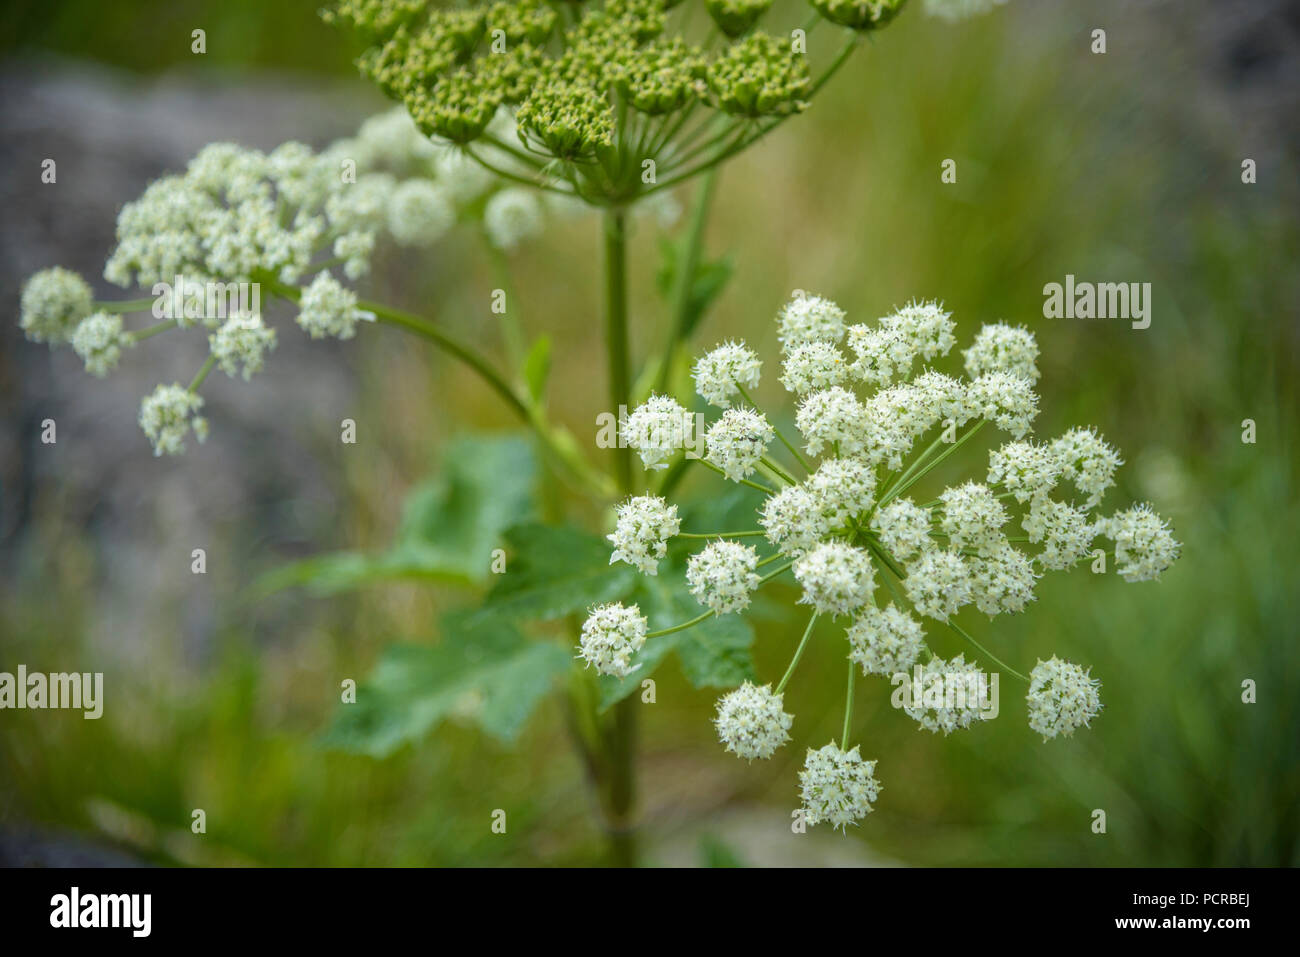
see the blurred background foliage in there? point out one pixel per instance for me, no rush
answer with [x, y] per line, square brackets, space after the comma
[1117, 167]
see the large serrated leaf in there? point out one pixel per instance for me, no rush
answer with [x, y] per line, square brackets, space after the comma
[490, 675]
[554, 570]
[450, 524]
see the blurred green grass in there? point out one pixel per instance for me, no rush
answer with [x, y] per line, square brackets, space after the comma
[1063, 167]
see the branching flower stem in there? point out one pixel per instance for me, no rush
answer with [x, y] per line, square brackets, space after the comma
[798, 653]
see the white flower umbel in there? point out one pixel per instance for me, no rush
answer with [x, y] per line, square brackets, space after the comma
[512, 216]
[1007, 400]
[1144, 546]
[611, 635]
[1026, 470]
[837, 578]
[752, 722]
[1086, 460]
[807, 318]
[1001, 581]
[98, 341]
[904, 528]
[722, 576]
[885, 641]
[926, 327]
[54, 301]
[794, 520]
[645, 523]
[972, 518]
[327, 308]
[832, 417]
[1003, 348]
[737, 442]
[843, 489]
[837, 786]
[721, 374]
[1062, 697]
[812, 366]
[953, 695]
[241, 344]
[167, 416]
[655, 430]
[1063, 529]
[938, 583]
[420, 213]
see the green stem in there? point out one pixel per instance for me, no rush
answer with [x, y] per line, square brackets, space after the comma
[124, 305]
[685, 278]
[798, 653]
[848, 710]
[616, 339]
[762, 488]
[902, 487]
[1005, 667]
[140, 335]
[203, 373]
[682, 627]
[754, 534]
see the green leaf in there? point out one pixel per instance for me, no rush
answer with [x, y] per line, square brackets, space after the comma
[537, 367]
[552, 571]
[710, 279]
[489, 675]
[450, 524]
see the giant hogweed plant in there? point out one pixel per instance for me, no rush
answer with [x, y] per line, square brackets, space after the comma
[517, 110]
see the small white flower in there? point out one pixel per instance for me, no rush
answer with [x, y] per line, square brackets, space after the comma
[925, 326]
[1086, 460]
[1064, 530]
[1144, 547]
[167, 416]
[1002, 581]
[843, 489]
[943, 398]
[644, 525]
[812, 366]
[751, 721]
[904, 528]
[1002, 348]
[420, 213]
[611, 635]
[54, 301]
[879, 354]
[737, 442]
[242, 341]
[99, 340]
[832, 417]
[885, 641]
[722, 576]
[953, 695]
[794, 520]
[807, 318]
[722, 373]
[656, 429]
[1062, 697]
[836, 578]
[837, 786]
[972, 517]
[326, 308]
[1028, 470]
[1007, 400]
[511, 216]
[938, 583]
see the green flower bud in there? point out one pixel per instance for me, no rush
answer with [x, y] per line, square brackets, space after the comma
[735, 17]
[859, 14]
[759, 76]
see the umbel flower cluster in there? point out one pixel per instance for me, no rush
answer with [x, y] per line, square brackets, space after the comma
[614, 99]
[874, 418]
[239, 222]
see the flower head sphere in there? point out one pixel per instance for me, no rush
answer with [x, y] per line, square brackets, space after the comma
[885, 641]
[1144, 546]
[54, 301]
[722, 576]
[837, 579]
[99, 340]
[752, 722]
[611, 635]
[656, 430]
[645, 524]
[837, 786]
[953, 695]
[1062, 698]
[1003, 348]
[720, 375]
[168, 415]
[737, 442]
[807, 318]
